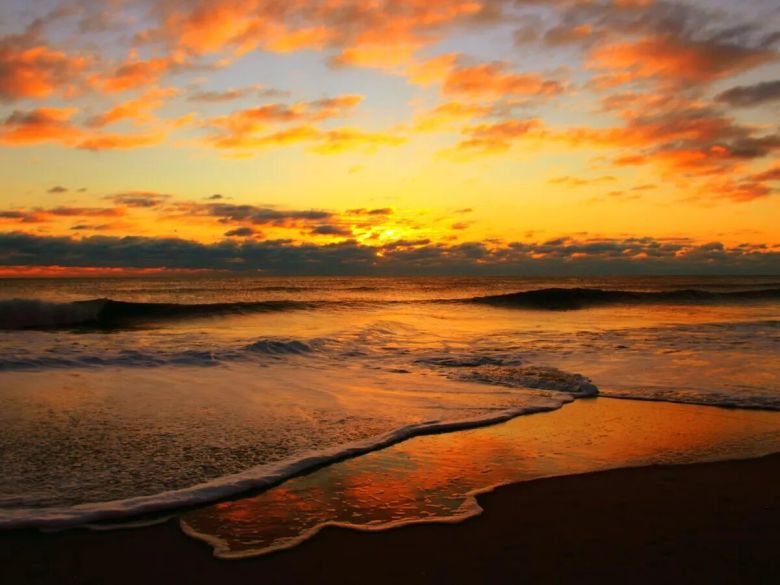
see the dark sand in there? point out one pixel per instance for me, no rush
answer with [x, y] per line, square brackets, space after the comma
[704, 523]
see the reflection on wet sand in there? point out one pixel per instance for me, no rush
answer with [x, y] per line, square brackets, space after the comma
[433, 478]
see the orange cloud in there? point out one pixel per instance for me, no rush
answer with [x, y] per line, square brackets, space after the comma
[71, 271]
[341, 139]
[497, 137]
[483, 81]
[733, 189]
[675, 60]
[245, 122]
[492, 80]
[772, 174]
[39, 215]
[570, 181]
[55, 125]
[449, 114]
[390, 57]
[246, 130]
[37, 71]
[133, 74]
[434, 70]
[121, 141]
[138, 110]
[39, 125]
[365, 32]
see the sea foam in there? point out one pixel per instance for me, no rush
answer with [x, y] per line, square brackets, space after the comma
[258, 478]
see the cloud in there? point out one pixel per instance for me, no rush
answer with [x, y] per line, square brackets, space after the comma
[559, 256]
[380, 211]
[734, 189]
[242, 232]
[772, 174]
[31, 69]
[55, 125]
[678, 61]
[361, 32]
[255, 215]
[122, 141]
[133, 74]
[247, 129]
[276, 125]
[57, 189]
[496, 137]
[744, 96]
[492, 80]
[331, 230]
[570, 181]
[139, 110]
[691, 138]
[228, 95]
[451, 114]
[140, 199]
[39, 125]
[343, 139]
[44, 215]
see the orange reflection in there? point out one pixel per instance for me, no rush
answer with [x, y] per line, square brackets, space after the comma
[432, 477]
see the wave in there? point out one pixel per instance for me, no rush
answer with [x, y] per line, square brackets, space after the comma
[255, 479]
[269, 347]
[111, 314]
[108, 314]
[565, 299]
[743, 400]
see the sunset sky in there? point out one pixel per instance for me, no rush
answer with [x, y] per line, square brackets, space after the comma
[377, 136]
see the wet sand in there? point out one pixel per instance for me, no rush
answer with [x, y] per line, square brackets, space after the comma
[701, 523]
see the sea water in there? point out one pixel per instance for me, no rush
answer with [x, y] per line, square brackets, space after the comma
[123, 396]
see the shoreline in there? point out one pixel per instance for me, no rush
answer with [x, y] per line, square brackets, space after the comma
[248, 483]
[703, 522]
[141, 510]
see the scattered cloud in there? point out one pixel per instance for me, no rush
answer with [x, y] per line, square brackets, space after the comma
[242, 232]
[31, 69]
[141, 199]
[744, 96]
[570, 181]
[229, 95]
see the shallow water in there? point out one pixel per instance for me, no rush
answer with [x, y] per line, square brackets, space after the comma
[435, 478]
[111, 409]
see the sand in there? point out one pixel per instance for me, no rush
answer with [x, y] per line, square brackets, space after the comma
[701, 523]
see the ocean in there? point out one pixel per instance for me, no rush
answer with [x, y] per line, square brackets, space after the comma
[127, 396]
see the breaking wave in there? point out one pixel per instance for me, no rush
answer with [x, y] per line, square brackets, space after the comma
[111, 314]
[566, 299]
[107, 313]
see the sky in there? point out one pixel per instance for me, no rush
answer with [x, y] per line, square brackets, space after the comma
[528, 137]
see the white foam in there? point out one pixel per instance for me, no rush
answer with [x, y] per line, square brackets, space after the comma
[743, 399]
[252, 479]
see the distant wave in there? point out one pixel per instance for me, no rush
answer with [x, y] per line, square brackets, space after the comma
[563, 299]
[107, 313]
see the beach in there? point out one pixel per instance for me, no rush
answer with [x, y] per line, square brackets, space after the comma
[700, 523]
